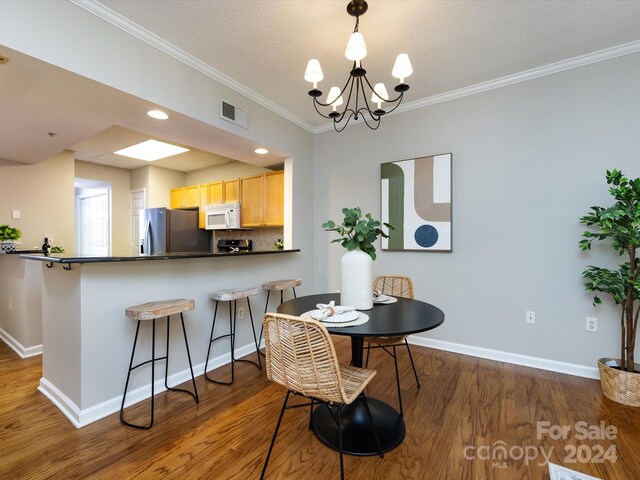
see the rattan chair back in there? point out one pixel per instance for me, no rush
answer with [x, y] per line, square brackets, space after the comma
[394, 285]
[301, 356]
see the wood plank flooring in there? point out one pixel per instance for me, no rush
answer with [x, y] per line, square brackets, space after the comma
[464, 403]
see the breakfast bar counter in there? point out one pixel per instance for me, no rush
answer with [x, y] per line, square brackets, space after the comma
[87, 338]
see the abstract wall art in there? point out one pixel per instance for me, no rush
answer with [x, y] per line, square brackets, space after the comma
[416, 201]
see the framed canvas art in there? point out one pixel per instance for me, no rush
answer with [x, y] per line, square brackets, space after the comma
[416, 201]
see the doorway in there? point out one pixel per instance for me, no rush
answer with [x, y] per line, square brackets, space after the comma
[138, 203]
[93, 217]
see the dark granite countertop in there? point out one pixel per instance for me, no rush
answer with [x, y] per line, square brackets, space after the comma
[171, 256]
[23, 252]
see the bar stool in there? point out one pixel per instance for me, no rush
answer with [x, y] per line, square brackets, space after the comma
[231, 295]
[276, 285]
[153, 311]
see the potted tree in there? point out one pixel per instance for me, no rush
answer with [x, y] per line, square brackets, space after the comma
[8, 237]
[619, 223]
[357, 234]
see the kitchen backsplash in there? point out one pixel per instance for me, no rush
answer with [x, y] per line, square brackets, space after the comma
[262, 238]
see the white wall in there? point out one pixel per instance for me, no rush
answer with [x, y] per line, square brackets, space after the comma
[44, 195]
[528, 161]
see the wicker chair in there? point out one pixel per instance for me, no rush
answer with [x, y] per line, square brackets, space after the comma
[301, 357]
[397, 286]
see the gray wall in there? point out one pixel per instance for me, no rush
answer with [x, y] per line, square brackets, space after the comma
[528, 160]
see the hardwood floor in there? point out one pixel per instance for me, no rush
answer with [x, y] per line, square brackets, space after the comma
[464, 403]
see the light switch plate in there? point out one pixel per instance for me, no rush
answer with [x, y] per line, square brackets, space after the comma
[15, 214]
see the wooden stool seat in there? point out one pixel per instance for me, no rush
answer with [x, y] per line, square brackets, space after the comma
[233, 294]
[282, 284]
[163, 308]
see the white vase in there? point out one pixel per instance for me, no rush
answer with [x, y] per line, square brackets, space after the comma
[356, 280]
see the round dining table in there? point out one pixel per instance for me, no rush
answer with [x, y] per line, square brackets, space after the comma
[404, 317]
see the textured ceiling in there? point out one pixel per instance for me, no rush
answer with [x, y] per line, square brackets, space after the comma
[264, 45]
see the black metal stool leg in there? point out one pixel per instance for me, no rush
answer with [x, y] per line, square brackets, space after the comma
[194, 394]
[253, 330]
[186, 344]
[126, 385]
[266, 306]
[259, 364]
[212, 339]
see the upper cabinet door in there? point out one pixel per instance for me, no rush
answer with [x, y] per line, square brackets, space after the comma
[191, 197]
[251, 197]
[176, 198]
[214, 193]
[274, 199]
[231, 190]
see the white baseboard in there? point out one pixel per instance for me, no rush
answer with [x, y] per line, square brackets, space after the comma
[82, 417]
[515, 358]
[17, 347]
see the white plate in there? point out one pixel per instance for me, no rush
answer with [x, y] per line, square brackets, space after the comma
[337, 318]
[386, 301]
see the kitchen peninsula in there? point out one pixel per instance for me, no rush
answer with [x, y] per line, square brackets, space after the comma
[87, 338]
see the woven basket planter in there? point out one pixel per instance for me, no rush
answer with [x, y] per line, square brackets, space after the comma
[618, 385]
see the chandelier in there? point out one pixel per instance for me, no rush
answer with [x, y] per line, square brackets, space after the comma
[358, 88]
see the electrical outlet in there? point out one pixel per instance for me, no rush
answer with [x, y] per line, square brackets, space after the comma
[241, 312]
[592, 324]
[531, 318]
[10, 303]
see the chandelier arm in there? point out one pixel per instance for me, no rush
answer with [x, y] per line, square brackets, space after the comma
[399, 100]
[399, 97]
[341, 92]
[375, 118]
[336, 122]
[315, 105]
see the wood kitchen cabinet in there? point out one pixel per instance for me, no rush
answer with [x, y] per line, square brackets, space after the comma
[185, 197]
[224, 191]
[262, 200]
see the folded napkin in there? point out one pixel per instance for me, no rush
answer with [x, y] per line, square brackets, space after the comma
[326, 310]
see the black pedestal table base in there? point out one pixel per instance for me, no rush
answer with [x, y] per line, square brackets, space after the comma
[357, 433]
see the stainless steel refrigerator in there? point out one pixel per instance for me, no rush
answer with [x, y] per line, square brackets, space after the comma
[164, 231]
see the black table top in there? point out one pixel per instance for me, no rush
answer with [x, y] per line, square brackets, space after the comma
[404, 317]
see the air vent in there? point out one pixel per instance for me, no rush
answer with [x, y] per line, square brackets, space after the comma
[3, 59]
[234, 114]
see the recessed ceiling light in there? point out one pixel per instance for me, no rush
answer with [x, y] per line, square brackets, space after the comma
[151, 150]
[158, 114]
[261, 151]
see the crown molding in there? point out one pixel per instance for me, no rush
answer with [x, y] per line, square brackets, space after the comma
[146, 36]
[576, 62]
[152, 39]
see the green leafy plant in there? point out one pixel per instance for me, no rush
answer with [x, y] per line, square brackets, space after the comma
[621, 224]
[56, 250]
[9, 233]
[356, 231]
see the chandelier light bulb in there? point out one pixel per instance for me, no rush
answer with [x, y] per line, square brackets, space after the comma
[402, 68]
[313, 73]
[334, 98]
[356, 49]
[379, 94]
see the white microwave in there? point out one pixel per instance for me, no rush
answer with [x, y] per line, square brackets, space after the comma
[222, 216]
